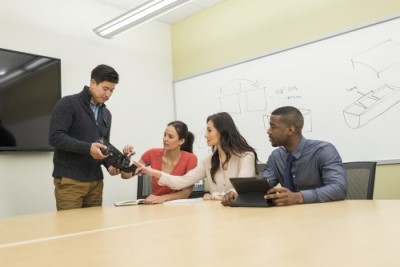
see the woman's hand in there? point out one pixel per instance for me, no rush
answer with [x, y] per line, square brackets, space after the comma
[129, 150]
[152, 199]
[145, 168]
[207, 196]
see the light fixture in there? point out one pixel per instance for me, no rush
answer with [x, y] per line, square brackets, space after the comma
[11, 75]
[138, 16]
[36, 63]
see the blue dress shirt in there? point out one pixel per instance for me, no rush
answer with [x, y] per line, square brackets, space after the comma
[95, 109]
[318, 171]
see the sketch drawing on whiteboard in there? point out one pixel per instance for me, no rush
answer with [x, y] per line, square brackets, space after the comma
[248, 101]
[233, 92]
[307, 115]
[371, 105]
[379, 57]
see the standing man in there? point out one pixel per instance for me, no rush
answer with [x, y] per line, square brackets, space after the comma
[309, 171]
[77, 123]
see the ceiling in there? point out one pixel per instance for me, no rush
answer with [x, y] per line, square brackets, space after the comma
[14, 63]
[182, 12]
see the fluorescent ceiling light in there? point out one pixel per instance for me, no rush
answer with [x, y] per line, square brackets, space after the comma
[36, 63]
[138, 16]
[11, 76]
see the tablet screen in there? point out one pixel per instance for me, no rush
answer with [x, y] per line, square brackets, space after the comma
[250, 184]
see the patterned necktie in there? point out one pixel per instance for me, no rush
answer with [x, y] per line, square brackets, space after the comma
[287, 177]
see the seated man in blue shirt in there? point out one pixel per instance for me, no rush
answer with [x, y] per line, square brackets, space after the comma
[316, 172]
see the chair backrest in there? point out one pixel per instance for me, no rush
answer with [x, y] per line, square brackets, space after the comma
[361, 179]
[144, 186]
[199, 189]
[260, 167]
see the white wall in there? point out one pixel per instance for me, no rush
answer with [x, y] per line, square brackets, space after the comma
[142, 103]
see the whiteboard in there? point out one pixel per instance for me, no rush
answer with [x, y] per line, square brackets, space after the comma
[347, 87]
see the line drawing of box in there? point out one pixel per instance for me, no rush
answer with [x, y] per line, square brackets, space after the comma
[233, 91]
[379, 57]
[371, 105]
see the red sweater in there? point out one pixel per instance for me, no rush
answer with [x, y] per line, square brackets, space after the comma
[187, 161]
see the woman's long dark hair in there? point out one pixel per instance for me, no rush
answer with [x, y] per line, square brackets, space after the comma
[232, 142]
[183, 133]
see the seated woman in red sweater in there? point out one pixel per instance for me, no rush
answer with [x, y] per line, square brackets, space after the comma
[175, 158]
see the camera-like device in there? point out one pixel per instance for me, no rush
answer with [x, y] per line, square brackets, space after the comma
[116, 158]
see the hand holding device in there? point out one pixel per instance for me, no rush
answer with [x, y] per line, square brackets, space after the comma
[116, 158]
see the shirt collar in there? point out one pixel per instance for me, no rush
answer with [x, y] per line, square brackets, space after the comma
[300, 147]
[88, 96]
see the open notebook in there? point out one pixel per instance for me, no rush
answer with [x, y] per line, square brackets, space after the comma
[185, 201]
[129, 202]
[251, 191]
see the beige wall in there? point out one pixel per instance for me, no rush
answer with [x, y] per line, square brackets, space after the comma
[237, 30]
[387, 182]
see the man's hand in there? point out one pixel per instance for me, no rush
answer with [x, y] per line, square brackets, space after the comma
[284, 197]
[113, 171]
[95, 151]
[228, 198]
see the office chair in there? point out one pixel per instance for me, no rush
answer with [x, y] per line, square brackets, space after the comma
[260, 167]
[199, 189]
[361, 179]
[143, 186]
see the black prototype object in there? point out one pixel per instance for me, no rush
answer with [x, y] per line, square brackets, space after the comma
[116, 158]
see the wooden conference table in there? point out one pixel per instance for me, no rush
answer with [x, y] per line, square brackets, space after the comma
[344, 233]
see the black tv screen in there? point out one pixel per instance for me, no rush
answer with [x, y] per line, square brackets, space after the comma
[30, 86]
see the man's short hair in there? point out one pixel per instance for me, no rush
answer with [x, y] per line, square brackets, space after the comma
[290, 116]
[104, 73]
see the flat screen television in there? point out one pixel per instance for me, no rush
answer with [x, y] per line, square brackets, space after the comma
[30, 86]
